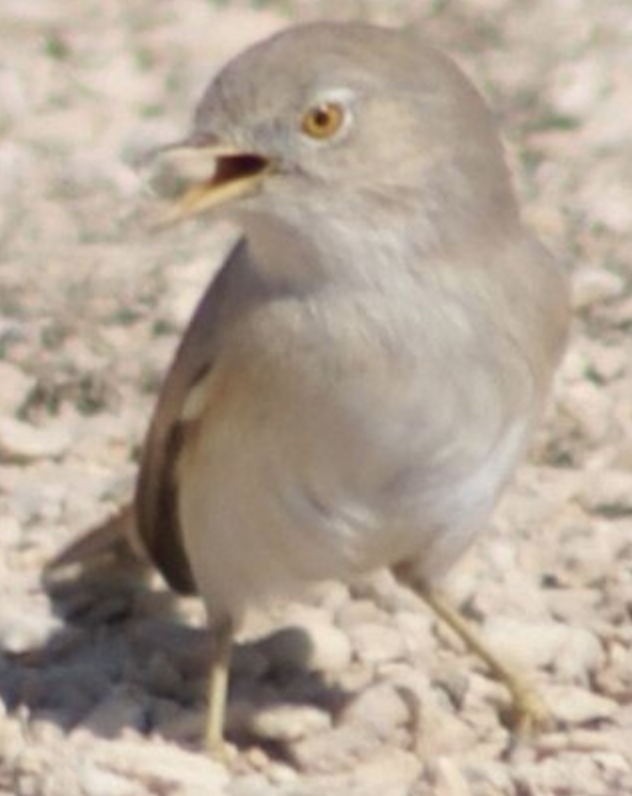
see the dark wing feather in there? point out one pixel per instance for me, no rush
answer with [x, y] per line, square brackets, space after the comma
[156, 494]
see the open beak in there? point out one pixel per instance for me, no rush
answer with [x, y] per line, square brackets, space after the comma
[198, 177]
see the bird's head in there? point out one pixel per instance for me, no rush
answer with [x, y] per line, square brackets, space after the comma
[327, 120]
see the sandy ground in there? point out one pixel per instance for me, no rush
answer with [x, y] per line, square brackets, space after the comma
[359, 690]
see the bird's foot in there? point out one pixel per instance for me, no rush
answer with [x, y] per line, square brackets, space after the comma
[222, 752]
[529, 714]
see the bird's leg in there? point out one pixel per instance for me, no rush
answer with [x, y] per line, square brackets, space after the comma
[218, 687]
[529, 711]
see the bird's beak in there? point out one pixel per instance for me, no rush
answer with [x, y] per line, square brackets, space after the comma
[197, 176]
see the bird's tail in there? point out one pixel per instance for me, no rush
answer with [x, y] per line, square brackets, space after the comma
[109, 541]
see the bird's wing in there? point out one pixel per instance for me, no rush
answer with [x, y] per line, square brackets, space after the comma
[151, 521]
[156, 493]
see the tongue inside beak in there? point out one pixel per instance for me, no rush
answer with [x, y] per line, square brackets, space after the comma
[196, 179]
[237, 167]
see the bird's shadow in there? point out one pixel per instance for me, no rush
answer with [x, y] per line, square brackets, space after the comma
[125, 658]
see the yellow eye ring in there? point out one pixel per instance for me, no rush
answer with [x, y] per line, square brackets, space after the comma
[323, 121]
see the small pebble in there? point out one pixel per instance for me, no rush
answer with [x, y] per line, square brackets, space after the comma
[21, 443]
[379, 707]
[376, 644]
[15, 387]
[390, 770]
[594, 285]
[608, 492]
[335, 751]
[443, 776]
[544, 644]
[287, 723]
[590, 408]
[95, 781]
[310, 642]
[23, 631]
[116, 712]
[572, 705]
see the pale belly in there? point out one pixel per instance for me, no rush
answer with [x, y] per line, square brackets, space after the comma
[277, 490]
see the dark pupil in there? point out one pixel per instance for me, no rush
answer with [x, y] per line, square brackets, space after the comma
[321, 118]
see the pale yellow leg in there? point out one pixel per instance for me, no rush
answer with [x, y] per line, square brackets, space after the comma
[218, 689]
[530, 713]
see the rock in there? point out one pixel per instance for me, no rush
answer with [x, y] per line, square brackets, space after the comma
[415, 628]
[187, 649]
[354, 678]
[613, 210]
[487, 777]
[380, 708]
[332, 649]
[116, 712]
[187, 727]
[545, 644]
[287, 723]
[163, 767]
[14, 99]
[334, 751]
[280, 774]
[442, 777]
[376, 644]
[572, 606]
[252, 785]
[22, 443]
[574, 773]
[330, 596]
[178, 305]
[572, 705]
[38, 18]
[36, 499]
[436, 731]
[161, 677]
[622, 312]
[589, 551]
[590, 408]
[608, 492]
[578, 85]
[23, 630]
[622, 455]
[311, 642]
[594, 285]
[357, 612]
[15, 387]
[433, 726]
[249, 661]
[607, 362]
[95, 781]
[10, 532]
[390, 771]
[589, 741]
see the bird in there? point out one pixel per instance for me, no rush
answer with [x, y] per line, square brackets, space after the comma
[366, 368]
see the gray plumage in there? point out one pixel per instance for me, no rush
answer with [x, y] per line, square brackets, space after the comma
[369, 364]
[365, 371]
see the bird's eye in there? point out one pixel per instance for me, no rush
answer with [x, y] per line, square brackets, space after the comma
[323, 121]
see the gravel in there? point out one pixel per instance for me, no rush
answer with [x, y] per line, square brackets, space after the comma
[358, 690]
